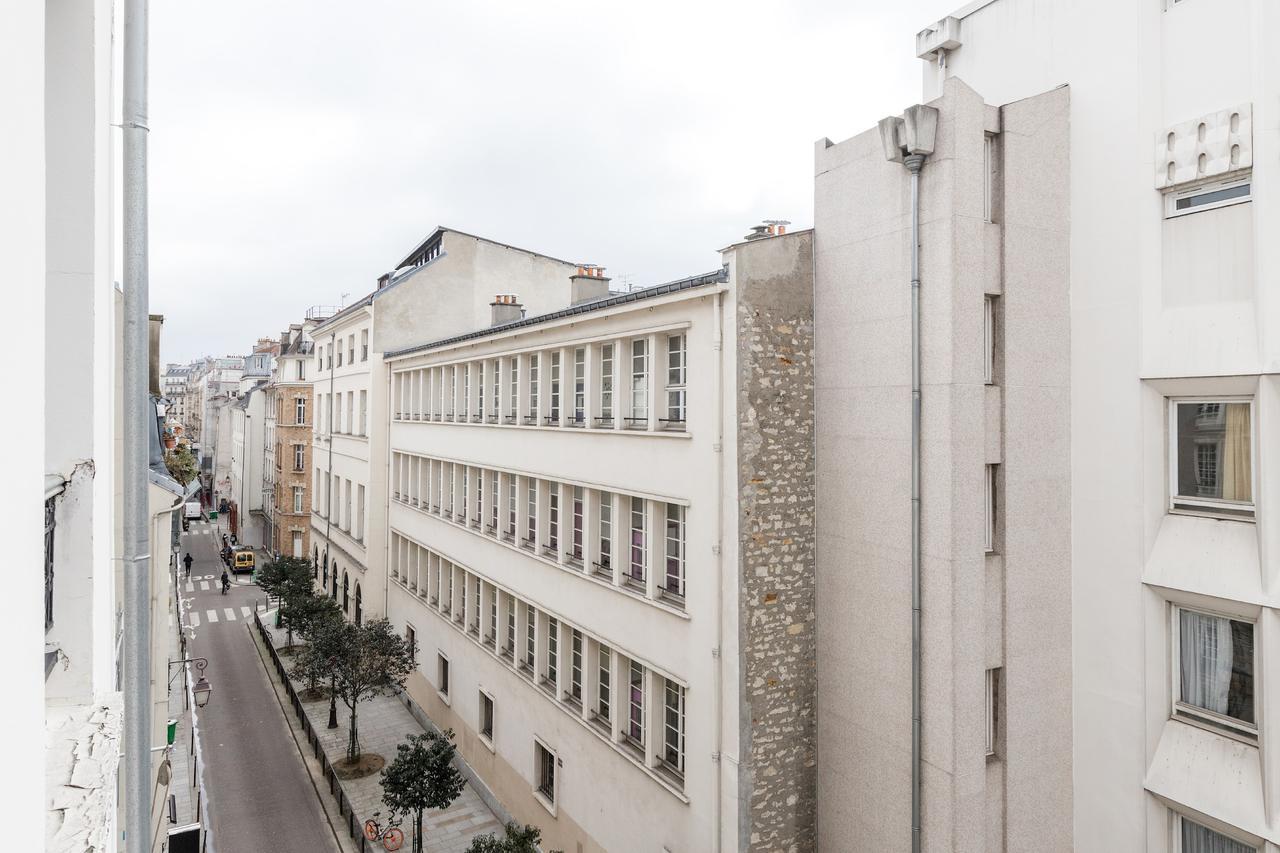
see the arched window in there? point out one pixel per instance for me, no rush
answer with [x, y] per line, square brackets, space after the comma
[315, 564]
[358, 609]
[324, 578]
[334, 594]
[346, 592]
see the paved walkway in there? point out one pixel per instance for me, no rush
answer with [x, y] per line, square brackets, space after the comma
[384, 723]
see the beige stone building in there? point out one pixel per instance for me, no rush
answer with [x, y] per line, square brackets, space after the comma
[290, 419]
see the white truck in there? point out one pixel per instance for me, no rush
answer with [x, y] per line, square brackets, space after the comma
[191, 510]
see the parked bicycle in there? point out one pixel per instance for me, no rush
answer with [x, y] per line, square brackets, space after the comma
[391, 836]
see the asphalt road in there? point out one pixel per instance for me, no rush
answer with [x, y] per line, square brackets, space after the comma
[260, 796]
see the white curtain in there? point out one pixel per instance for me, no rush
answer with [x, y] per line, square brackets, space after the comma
[1201, 839]
[1206, 653]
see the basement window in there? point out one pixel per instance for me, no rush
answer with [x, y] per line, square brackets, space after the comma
[1208, 196]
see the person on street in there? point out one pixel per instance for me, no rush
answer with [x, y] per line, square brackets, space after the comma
[186, 561]
[226, 582]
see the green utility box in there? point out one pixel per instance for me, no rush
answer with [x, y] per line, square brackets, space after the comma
[213, 515]
[172, 731]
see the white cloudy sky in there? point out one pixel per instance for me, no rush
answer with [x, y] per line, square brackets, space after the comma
[300, 148]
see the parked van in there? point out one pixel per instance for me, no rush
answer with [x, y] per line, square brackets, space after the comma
[242, 560]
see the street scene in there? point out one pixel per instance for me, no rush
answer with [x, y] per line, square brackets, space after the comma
[679, 428]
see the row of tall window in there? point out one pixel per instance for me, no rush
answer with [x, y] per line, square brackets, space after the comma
[621, 699]
[346, 417]
[629, 541]
[325, 354]
[331, 498]
[605, 385]
[327, 573]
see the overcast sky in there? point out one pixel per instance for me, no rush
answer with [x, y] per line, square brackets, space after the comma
[300, 149]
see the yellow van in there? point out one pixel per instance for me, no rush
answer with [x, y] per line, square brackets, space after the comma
[242, 560]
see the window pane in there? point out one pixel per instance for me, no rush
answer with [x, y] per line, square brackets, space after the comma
[1202, 839]
[1216, 664]
[1214, 451]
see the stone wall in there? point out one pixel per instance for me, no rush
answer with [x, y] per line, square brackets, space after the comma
[775, 477]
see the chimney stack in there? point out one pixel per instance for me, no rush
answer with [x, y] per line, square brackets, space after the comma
[769, 228]
[587, 284]
[506, 309]
[383, 279]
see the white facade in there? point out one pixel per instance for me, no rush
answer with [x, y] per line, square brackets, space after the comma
[248, 462]
[1175, 388]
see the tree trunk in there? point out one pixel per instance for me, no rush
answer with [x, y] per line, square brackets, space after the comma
[353, 738]
[417, 832]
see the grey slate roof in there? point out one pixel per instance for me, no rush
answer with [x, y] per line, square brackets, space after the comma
[718, 277]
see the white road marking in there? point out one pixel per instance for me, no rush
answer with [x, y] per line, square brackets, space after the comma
[211, 615]
[204, 586]
[195, 619]
[245, 612]
[191, 587]
[231, 613]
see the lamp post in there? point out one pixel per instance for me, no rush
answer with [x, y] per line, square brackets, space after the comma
[909, 140]
[202, 688]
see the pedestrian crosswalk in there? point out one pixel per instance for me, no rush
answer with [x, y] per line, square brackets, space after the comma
[228, 614]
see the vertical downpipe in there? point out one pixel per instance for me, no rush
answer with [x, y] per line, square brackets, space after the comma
[137, 436]
[914, 163]
[718, 651]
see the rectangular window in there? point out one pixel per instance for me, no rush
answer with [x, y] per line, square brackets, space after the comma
[511, 507]
[486, 716]
[496, 371]
[1215, 656]
[606, 533]
[636, 571]
[530, 635]
[531, 532]
[993, 708]
[443, 678]
[604, 660]
[989, 340]
[546, 762]
[299, 457]
[575, 667]
[673, 581]
[676, 357]
[351, 349]
[1212, 456]
[1208, 197]
[579, 385]
[553, 416]
[553, 520]
[474, 627]
[494, 477]
[364, 412]
[533, 389]
[576, 545]
[635, 704]
[552, 670]
[1194, 838]
[300, 409]
[639, 381]
[411, 640]
[480, 391]
[364, 344]
[606, 384]
[513, 380]
[360, 513]
[298, 498]
[461, 615]
[989, 487]
[510, 649]
[301, 372]
[339, 355]
[491, 639]
[673, 726]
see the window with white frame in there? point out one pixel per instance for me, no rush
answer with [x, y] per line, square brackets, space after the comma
[298, 499]
[1211, 456]
[673, 578]
[1192, 837]
[442, 674]
[495, 369]
[486, 716]
[300, 409]
[672, 754]
[411, 640]
[533, 389]
[635, 727]
[989, 340]
[360, 513]
[509, 649]
[574, 693]
[301, 371]
[351, 349]
[364, 412]
[1215, 670]
[1209, 196]
[579, 386]
[990, 504]
[545, 761]
[479, 391]
[677, 355]
[575, 547]
[606, 384]
[553, 416]
[639, 382]
[491, 638]
[604, 664]
[511, 508]
[605, 534]
[636, 570]
[494, 477]
[551, 669]
[553, 518]
[299, 457]
[530, 636]
[364, 344]
[339, 355]
[993, 708]
[531, 528]
[473, 621]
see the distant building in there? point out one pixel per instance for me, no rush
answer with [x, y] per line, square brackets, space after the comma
[287, 472]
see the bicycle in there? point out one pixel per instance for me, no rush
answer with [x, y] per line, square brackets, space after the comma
[392, 837]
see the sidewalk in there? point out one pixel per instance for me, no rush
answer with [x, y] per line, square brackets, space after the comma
[384, 723]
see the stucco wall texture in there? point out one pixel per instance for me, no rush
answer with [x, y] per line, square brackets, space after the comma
[774, 281]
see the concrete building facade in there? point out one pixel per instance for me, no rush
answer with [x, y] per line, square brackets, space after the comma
[601, 546]
[287, 469]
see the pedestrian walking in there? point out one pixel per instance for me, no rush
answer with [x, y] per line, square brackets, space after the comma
[186, 561]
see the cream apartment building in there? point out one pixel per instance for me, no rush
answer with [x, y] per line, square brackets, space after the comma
[600, 545]
[1101, 350]
[287, 473]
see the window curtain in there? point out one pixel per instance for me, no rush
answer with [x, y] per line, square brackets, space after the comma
[1206, 652]
[1237, 471]
[1202, 839]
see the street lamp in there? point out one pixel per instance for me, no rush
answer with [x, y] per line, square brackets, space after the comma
[202, 688]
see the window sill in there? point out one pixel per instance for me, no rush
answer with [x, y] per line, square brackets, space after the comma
[444, 697]
[544, 802]
[487, 740]
[1227, 730]
[1221, 514]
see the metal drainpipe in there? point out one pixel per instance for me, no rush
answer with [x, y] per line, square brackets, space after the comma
[328, 497]
[136, 433]
[718, 651]
[914, 163]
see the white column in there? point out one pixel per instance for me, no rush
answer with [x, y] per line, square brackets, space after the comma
[544, 517]
[621, 536]
[652, 716]
[621, 385]
[590, 386]
[654, 393]
[619, 694]
[590, 676]
[590, 525]
[566, 386]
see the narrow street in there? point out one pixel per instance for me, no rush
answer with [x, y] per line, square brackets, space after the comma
[260, 796]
